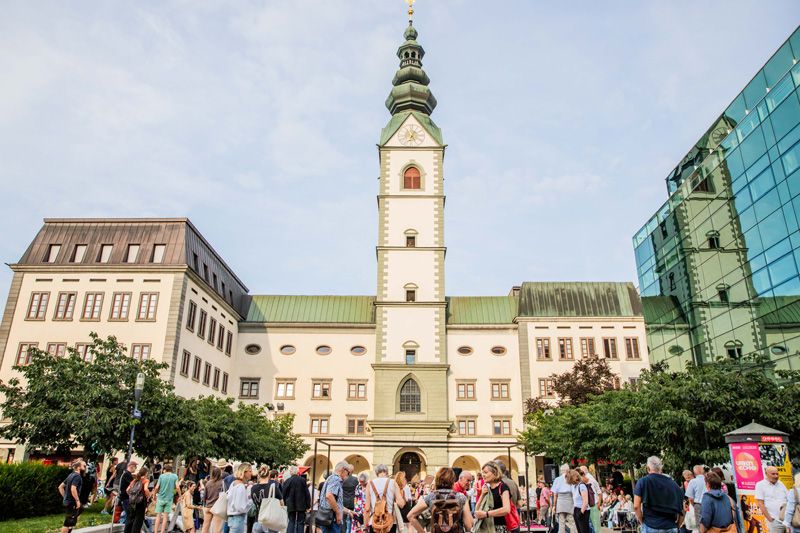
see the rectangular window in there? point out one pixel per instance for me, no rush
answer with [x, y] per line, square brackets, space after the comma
[59, 349]
[357, 390]
[284, 389]
[158, 253]
[212, 330]
[66, 305]
[140, 352]
[248, 388]
[191, 316]
[565, 349]
[132, 254]
[78, 253]
[356, 425]
[92, 305]
[23, 353]
[224, 388]
[587, 346]
[222, 289]
[228, 343]
[105, 253]
[465, 390]
[411, 241]
[195, 262]
[148, 303]
[214, 280]
[52, 253]
[198, 365]
[500, 390]
[632, 348]
[120, 304]
[205, 272]
[201, 328]
[220, 338]
[83, 350]
[501, 426]
[411, 296]
[542, 348]
[215, 383]
[320, 425]
[207, 374]
[610, 348]
[186, 361]
[546, 388]
[321, 390]
[411, 357]
[466, 427]
[38, 305]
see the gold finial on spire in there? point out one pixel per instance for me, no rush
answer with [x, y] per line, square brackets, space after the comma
[410, 8]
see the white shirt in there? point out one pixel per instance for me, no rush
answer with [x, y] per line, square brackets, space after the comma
[696, 489]
[238, 499]
[560, 485]
[380, 483]
[773, 494]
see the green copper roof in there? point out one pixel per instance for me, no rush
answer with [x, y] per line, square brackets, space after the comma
[398, 119]
[313, 309]
[410, 84]
[481, 310]
[662, 310]
[585, 299]
[780, 310]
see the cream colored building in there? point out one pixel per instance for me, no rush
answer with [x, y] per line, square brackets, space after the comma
[402, 369]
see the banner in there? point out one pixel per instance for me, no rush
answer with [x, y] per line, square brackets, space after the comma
[746, 458]
[777, 455]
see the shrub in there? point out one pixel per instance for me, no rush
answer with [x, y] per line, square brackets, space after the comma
[30, 489]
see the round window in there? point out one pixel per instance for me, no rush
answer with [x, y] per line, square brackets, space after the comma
[464, 350]
[499, 350]
[778, 350]
[287, 349]
[252, 349]
[358, 350]
[324, 350]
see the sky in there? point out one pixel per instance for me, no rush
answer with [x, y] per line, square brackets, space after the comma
[259, 120]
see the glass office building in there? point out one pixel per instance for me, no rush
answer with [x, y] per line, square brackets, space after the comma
[719, 262]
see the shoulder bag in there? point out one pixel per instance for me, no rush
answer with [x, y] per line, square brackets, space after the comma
[220, 507]
[324, 517]
[512, 518]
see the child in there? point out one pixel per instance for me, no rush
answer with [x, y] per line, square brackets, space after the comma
[188, 506]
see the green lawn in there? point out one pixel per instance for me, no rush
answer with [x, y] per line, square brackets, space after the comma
[52, 523]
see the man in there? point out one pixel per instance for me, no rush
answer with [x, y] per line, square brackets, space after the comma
[616, 478]
[165, 490]
[513, 488]
[694, 492]
[464, 482]
[657, 500]
[332, 497]
[297, 500]
[594, 486]
[348, 497]
[563, 503]
[70, 490]
[124, 483]
[771, 495]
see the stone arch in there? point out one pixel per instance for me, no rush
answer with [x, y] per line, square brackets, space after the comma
[359, 462]
[467, 463]
[410, 460]
[422, 174]
[323, 465]
[511, 467]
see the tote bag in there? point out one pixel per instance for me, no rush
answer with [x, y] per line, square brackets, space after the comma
[220, 507]
[272, 515]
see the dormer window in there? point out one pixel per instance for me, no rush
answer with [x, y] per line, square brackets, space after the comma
[52, 253]
[133, 253]
[411, 178]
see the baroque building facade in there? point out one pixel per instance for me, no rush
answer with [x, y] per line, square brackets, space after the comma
[413, 378]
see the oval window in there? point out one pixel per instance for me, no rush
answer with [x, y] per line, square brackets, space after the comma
[778, 350]
[675, 349]
[252, 349]
[324, 349]
[287, 349]
[358, 350]
[499, 350]
[464, 350]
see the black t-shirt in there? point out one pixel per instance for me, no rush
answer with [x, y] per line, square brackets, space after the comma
[349, 492]
[73, 480]
[124, 481]
[259, 491]
[119, 469]
[109, 473]
[497, 497]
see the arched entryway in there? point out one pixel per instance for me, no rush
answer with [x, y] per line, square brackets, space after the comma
[410, 461]
[511, 467]
[322, 466]
[468, 463]
[359, 462]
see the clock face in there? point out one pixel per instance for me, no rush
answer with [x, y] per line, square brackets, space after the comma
[411, 135]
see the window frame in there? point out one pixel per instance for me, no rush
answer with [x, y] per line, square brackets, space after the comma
[201, 326]
[418, 177]
[503, 385]
[62, 345]
[186, 363]
[228, 342]
[74, 257]
[27, 347]
[132, 253]
[53, 251]
[69, 310]
[608, 343]
[224, 387]
[355, 420]
[286, 382]
[156, 248]
[215, 380]
[412, 352]
[410, 402]
[197, 368]
[354, 385]
[586, 349]
[122, 295]
[320, 419]
[470, 423]
[207, 374]
[565, 349]
[411, 295]
[212, 331]
[252, 383]
[102, 257]
[469, 386]
[150, 309]
[632, 347]
[141, 347]
[546, 385]
[38, 314]
[505, 423]
[83, 350]
[96, 296]
[191, 316]
[325, 384]
[543, 349]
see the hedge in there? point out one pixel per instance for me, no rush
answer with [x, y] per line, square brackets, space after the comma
[30, 489]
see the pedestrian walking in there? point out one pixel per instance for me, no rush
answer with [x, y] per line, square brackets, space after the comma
[188, 507]
[657, 500]
[109, 484]
[70, 490]
[580, 501]
[331, 499]
[771, 495]
[138, 492]
[239, 499]
[720, 513]
[165, 489]
[297, 500]
[562, 501]
[359, 504]
[124, 482]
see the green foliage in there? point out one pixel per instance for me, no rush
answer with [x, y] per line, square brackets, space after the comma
[30, 489]
[680, 416]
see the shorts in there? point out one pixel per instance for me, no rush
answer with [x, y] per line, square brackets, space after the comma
[163, 506]
[71, 513]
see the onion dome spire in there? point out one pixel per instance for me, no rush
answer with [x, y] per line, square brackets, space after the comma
[410, 91]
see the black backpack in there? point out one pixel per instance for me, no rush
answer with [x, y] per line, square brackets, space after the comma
[136, 492]
[590, 493]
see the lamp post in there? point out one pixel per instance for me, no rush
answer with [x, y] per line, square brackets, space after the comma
[137, 415]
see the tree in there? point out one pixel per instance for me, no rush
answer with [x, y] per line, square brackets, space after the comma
[589, 376]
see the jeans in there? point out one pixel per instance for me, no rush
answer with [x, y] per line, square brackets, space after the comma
[648, 529]
[333, 528]
[347, 521]
[126, 511]
[258, 528]
[237, 523]
[297, 522]
[582, 520]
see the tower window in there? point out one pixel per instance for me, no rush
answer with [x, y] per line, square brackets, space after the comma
[672, 281]
[411, 178]
[723, 295]
[411, 241]
[734, 349]
[411, 295]
[411, 357]
[410, 397]
[713, 242]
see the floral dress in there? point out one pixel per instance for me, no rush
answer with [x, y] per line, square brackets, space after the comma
[359, 501]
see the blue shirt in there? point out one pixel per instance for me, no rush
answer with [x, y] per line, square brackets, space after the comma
[560, 485]
[333, 485]
[662, 501]
[577, 497]
[696, 489]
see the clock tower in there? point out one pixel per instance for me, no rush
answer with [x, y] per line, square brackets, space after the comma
[411, 357]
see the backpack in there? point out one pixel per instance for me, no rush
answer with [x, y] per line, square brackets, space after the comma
[382, 516]
[446, 513]
[590, 493]
[136, 492]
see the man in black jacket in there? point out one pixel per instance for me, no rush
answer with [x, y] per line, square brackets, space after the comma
[297, 500]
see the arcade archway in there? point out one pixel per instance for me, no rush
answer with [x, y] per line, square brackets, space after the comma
[359, 462]
[323, 465]
[468, 463]
[410, 461]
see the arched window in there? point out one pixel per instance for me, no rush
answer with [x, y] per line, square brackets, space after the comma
[411, 178]
[410, 397]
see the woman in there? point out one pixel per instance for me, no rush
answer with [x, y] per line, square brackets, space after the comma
[266, 480]
[211, 522]
[359, 502]
[718, 510]
[501, 496]
[544, 502]
[239, 500]
[718, 471]
[111, 476]
[133, 523]
[379, 486]
[443, 481]
[402, 484]
[688, 475]
[580, 500]
[188, 507]
[791, 505]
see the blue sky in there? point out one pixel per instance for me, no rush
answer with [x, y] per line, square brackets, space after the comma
[258, 120]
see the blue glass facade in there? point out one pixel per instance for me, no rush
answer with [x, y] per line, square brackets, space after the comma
[719, 263]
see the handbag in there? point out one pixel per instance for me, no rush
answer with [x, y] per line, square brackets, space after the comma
[324, 517]
[220, 507]
[272, 515]
[512, 518]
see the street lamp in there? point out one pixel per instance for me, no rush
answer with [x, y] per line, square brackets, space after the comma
[137, 415]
